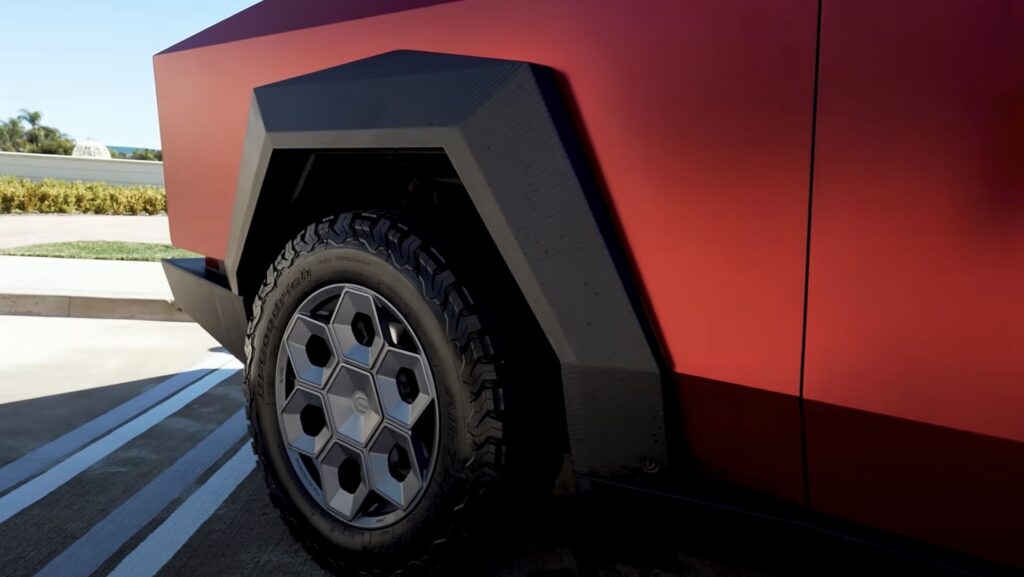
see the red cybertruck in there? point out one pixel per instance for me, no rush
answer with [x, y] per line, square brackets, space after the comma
[776, 244]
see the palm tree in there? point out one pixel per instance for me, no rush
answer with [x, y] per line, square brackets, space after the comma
[31, 117]
[38, 138]
[43, 139]
[49, 140]
[12, 136]
[36, 133]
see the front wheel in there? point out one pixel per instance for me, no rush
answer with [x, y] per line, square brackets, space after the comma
[374, 396]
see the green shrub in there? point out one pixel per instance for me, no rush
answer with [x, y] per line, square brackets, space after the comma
[19, 195]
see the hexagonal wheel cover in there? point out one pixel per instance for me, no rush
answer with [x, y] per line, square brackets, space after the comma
[344, 477]
[352, 386]
[356, 328]
[400, 403]
[402, 491]
[353, 404]
[303, 412]
[310, 350]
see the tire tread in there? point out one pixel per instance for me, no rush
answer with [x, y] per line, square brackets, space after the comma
[383, 235]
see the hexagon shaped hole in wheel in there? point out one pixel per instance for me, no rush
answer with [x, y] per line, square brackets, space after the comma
[305, 423]
[356, 328]
[310, 350]
[393, 467]
[344, 478]
[404, 390]
[353, 403]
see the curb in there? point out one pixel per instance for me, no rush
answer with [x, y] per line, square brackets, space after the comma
[91, 307]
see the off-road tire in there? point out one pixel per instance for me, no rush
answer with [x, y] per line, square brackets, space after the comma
[378, 251]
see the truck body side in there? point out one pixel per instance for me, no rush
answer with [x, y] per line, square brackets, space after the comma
[820, 205]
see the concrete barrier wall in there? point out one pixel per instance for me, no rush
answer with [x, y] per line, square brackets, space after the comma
[114, 171]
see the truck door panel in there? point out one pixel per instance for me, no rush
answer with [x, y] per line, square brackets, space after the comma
[914, 376]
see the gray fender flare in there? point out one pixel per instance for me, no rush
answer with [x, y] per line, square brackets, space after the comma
[506, 130]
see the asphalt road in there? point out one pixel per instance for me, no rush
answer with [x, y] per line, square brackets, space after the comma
[123, 452]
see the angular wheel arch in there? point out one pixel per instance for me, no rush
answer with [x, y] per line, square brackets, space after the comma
[506, 130]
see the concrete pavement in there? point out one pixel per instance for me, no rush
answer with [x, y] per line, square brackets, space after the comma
[26, 229]
[81, 287]
[82, 277]
[87, 460]
[114, 497]
[85, 288]
[91, 363]
[59, 356]
[123, 452]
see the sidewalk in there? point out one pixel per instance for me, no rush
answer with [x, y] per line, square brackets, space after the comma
[85, 288]
[26, 229]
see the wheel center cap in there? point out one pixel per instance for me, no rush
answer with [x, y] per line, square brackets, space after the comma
[361, 402]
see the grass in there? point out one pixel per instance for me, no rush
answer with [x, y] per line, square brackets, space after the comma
[101, 249]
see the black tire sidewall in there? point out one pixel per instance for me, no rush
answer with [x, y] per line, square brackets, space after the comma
[352, 263]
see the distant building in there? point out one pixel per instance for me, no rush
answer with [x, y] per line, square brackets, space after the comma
[125, 150]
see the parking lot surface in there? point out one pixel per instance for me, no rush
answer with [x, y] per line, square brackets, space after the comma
[123, 452]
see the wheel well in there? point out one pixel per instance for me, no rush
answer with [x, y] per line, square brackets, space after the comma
[302, 186]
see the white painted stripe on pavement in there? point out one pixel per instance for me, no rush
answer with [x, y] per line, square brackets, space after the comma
[38, 459]
[92, 549]
[167, 539]
[17, 500]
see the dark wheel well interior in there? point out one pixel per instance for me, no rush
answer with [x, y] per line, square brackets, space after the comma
[302, 186]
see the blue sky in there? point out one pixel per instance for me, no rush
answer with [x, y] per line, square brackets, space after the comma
[87, 66]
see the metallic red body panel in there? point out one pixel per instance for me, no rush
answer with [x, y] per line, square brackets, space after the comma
[916, 302]
[937, 484]
[698, 115]
[699, 118]
[276, 16]
[748, 436]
